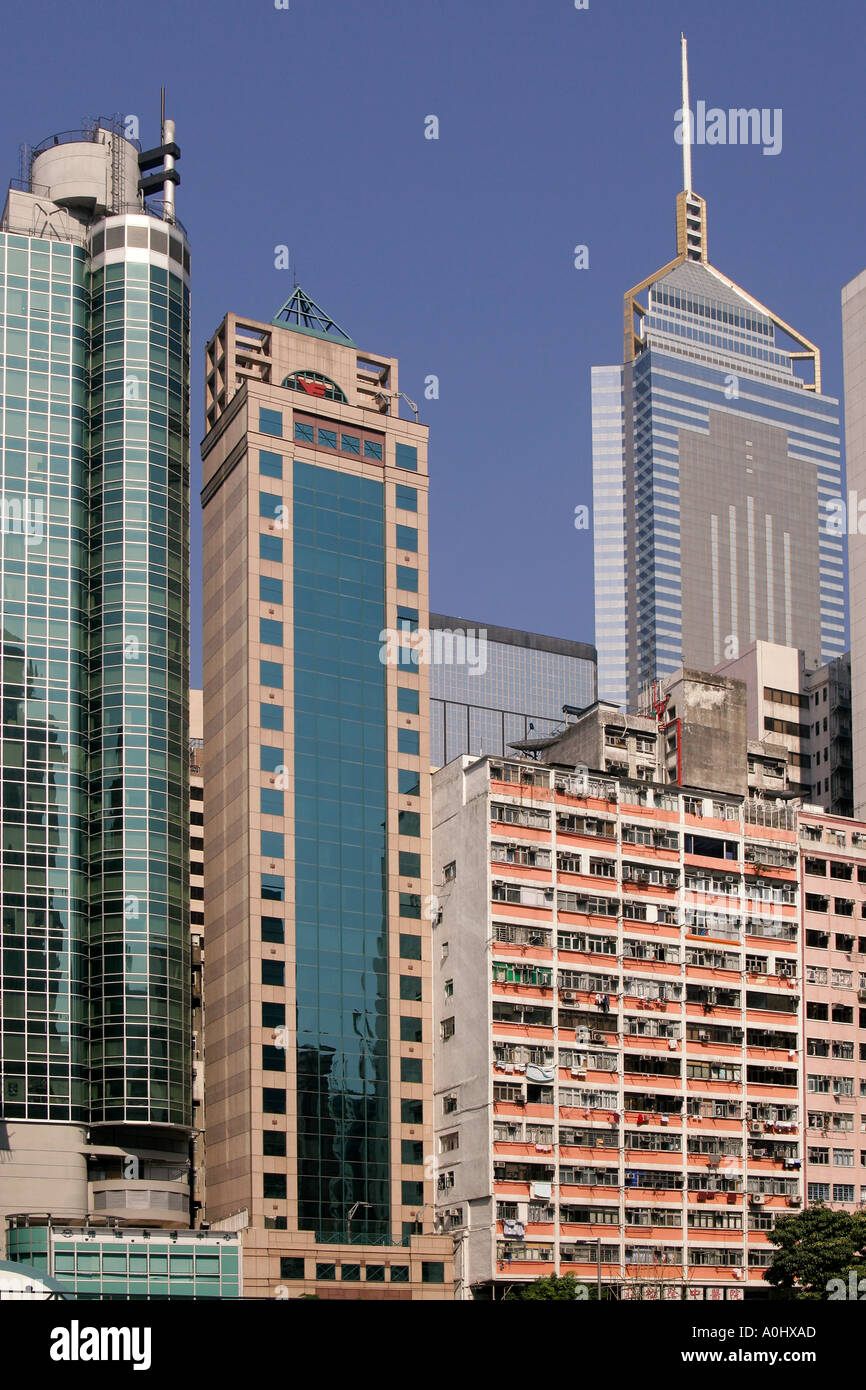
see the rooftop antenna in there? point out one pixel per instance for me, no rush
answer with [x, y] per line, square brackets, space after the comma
[687, 119]
[166, 135]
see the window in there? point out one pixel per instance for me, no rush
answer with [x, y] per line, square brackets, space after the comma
[271, 716]
[274, 888]
[409, 823]
[273, 972]
[273, 845]
[407, 700]
[375, 1274]
[447, 1029]
[410, 905]
[304, 434]
[270, 632]
[270, 504]
[273, 1058]
[449, 1104]
[326, 1271]
[273, 1101]
[411, 1070]
[406, 498]
[271, 548]
[291, 1267]
[350, 444]
[409, 741]
[843, 1192]
[270, 465]
[407, 538]
[270, 422]
[407, 618]
[407, 579]
[271, 673]
[274, 930]
[270, 759]
[409, 864]
[399, 1274]
[411, 1112]
[350, 1274]
[432, 1272]
[372, 450]
[410, 947]
[327, 439]
[449, 872]
[274, 1185]
[274, 1146]
[412, 1194]
[410, 1030]
[272, 802]
[273, 1015]
[407, 457]
[270, 590]
[410, 988]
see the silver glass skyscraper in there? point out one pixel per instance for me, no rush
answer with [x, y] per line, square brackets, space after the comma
[715, 455]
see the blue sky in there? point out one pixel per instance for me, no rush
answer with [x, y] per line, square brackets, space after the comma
[305, 127]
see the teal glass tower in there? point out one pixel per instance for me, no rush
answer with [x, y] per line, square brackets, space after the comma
[94, 377]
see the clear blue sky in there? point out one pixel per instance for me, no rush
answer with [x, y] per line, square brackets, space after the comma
[306, 127]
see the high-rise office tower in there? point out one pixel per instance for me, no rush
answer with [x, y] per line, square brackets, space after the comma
[491, 685]
[714, 454]
[95, 1060]
[317, 823]
[854, 356]
[196, 938]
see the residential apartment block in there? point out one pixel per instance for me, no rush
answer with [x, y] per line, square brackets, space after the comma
[317, 989]
[619, 1005]
[804, 711]
[833, 889]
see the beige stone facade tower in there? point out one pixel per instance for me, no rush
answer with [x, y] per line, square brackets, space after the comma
[317, 822]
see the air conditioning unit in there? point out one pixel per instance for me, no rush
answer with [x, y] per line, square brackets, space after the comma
[757, 1199]
[795, 1201]
[579, 1073]
[756, 1129]
[566, 993]
[703, 1036]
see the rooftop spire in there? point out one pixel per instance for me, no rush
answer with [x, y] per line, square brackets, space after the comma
[687, 119]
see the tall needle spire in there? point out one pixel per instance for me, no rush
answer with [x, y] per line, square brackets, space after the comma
[687, 121]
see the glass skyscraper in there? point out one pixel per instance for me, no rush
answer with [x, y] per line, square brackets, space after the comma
[513, 686]
[318, 1085]
[714, 456]
[94, 297]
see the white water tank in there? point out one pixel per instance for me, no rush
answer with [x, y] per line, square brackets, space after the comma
[79, 174]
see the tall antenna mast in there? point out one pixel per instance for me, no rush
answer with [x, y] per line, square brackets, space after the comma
[687, 121]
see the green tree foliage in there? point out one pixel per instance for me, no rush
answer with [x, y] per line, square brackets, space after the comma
[549, 1290]
[814, 1247]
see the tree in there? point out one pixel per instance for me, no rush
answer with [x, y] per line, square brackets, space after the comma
[552, 1289]
[814, 1247]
